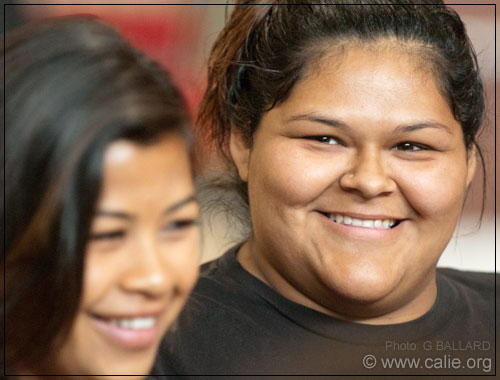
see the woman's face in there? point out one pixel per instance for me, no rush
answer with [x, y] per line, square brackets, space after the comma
[141, 260]
[356, 183]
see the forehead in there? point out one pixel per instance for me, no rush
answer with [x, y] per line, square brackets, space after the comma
[161, 168]
[330, 53]
[384, 82]
[127, 153]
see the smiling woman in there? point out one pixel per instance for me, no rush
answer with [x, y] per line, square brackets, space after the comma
[386, 197]
[351, 131]
[101, 217]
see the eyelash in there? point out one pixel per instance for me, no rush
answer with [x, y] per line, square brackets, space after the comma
[180, 224]
[120, 234]
[412, 145]
[111, 235]
[323, 139]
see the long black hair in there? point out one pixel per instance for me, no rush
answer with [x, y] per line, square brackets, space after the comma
[72, 86]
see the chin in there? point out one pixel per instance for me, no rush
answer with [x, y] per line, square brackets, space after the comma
[113, 377]
[364, 287]
[107, 366]
[137, 367]
[133, 371]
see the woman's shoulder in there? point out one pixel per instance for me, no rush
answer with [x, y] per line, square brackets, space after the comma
[482, 283]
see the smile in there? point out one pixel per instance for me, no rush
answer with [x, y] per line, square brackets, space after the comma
[384, 224]
[380, 224]
[128, 332]
[134, 323]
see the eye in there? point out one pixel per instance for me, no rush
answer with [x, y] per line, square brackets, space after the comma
[410, 147]
[107, 235]
[181, 224]
[329, 140]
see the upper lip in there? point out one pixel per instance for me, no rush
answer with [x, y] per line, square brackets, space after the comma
[128, 315]
[363, 216]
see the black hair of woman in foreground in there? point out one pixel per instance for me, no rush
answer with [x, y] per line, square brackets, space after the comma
[352, 129]
[100, 214]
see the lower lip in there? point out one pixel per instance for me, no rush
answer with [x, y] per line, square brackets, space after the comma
[127, 338]
[363, 232]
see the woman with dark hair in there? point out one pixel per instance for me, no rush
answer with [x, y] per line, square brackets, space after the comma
[100, 216]
[351, 130]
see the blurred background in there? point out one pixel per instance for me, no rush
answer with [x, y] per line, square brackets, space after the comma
[180, 37]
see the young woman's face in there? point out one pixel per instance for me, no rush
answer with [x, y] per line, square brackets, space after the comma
[356, 183]
[141, 260]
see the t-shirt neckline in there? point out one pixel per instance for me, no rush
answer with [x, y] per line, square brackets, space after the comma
[334, 328]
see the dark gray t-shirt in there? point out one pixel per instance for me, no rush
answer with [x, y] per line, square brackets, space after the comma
[234, 324]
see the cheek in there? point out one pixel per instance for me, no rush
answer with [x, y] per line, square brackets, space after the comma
[290, 175]
[100, 272]
[183, 262]
[434, 191]
[78, 351]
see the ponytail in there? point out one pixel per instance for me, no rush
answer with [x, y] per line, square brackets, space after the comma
[226, 68]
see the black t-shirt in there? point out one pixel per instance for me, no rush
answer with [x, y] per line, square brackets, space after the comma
[234, 324]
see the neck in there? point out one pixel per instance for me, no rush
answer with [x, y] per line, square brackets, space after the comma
[381, 312]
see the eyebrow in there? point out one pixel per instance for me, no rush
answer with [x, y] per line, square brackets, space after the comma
[418, 126]
[319, 119]
[178, 205]
[123, 215]
[340, 124]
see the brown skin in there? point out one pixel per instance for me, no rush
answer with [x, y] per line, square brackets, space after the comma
[378, 99]
[150, 267]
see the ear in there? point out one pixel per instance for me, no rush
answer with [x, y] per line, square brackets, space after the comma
[471, 164]
[239, 146]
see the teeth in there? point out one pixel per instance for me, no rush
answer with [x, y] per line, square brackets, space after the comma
[134, 323]
[368, 223]
[357, 222]
[378, 224]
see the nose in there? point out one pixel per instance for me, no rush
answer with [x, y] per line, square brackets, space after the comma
[368, 176]
[148, 270]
